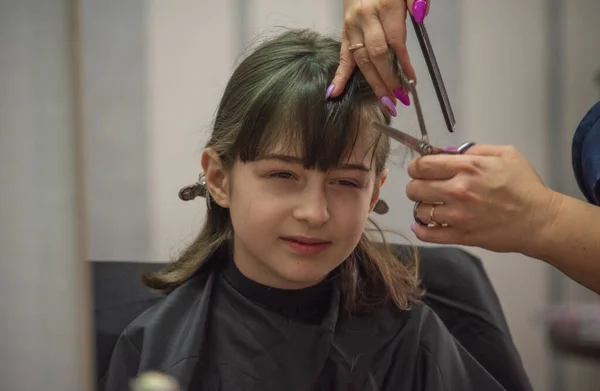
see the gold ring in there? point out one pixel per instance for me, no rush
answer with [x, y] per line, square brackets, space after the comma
[432, 216]
[354, 47]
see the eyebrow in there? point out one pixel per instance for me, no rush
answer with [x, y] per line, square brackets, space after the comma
[297, 160]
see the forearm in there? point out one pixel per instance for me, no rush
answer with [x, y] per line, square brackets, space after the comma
[571, 241]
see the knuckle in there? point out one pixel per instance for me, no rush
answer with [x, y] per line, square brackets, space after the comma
[511, 150]
[458, 191]
[345, 62]
[467, 159]
[506, 150]
[470, 164]
[350, 20]
[363, 10]
[398, 45]
[454, 217]
[423, 166]
[363, 61]
[387, 4]
[377, 50]
[459, 218]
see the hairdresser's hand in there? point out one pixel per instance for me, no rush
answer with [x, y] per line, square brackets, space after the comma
[376, 24]
[491, 198]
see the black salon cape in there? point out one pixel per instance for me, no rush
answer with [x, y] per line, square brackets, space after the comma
[221, 331]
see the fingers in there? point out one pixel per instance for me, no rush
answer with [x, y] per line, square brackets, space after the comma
[378, 51]
[367, 67]
[439, 235]
[379, 25]
[490, 150]
[436, 167]
[428, 191]
[344, 70]
[395, 34]
[442, 213]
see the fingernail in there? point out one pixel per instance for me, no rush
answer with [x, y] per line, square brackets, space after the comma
[329, 91]
[451, 148]
[389, 105]
[419, 10]
[412, 226]
[402, 96]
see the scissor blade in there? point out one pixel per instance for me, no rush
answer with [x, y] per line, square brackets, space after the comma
[436, 75]
[401, 137]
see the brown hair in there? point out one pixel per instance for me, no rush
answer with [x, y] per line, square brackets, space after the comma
[276, 97]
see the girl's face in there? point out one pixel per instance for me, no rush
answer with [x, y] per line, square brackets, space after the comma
[292, 226]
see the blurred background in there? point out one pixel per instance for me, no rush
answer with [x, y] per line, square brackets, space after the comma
[105, 107]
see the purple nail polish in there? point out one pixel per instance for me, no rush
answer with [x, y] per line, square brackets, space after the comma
[402, 96]
[412, 226]
[389, 105]
[419, 10]
[329, 91]
[451, 148]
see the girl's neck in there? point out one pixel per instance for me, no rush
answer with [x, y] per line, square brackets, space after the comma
[307, 304]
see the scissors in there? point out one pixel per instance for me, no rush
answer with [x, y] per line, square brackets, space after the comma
[422, 145]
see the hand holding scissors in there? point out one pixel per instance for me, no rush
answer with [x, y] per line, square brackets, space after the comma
[422, 145]
[369, 28]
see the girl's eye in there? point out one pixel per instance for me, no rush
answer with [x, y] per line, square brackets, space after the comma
[345, 182]
[282, 175]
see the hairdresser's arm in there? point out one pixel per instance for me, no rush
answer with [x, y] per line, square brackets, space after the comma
[571, 241]
[378, 24]
[492, 198]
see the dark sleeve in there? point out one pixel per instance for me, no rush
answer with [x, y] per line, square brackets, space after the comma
[123, 366]
[445, 365]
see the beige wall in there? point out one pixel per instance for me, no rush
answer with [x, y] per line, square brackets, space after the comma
[191, 50]
[495, 66]
[504, 103]
[45, 333]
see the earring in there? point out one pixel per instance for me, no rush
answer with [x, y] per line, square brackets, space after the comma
[198, 189]
[381, 207]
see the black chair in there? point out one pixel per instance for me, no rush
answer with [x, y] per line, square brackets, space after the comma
[457, 289]
[119, 297]
[460, 292]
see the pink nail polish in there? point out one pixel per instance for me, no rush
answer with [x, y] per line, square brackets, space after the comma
[451, 148]
[412, 226]
[402, 96]
[389, 105]
[329, 91]
[419, 10]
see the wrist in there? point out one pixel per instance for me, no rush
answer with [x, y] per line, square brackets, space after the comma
[546, 221]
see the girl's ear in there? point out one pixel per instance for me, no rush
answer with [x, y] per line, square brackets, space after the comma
[217, 178]
[377, 188]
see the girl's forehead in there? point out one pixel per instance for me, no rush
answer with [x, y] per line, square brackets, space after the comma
[361, 151]
[336, 141]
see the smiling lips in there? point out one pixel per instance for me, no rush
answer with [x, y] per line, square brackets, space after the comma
[304, 245]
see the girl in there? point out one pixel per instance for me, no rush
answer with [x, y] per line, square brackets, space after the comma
[283, 289]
